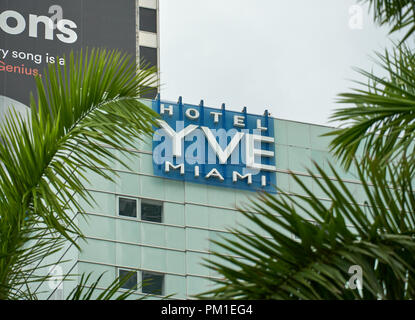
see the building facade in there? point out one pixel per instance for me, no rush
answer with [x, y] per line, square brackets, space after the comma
[160, 228]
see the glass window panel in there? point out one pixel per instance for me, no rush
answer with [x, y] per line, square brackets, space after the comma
[131, 283]
[127, 207]
[148, 20]
[149, 93]
[152, 283]
[149, 55]
[151, 211]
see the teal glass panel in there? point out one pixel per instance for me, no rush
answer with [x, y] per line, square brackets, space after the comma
[221, 197]
[242, 223]
[196, 193]
[97, 182]
[98, 227]
[175, 286]
[108, 273]
[153, 234]
[220, 219]
[128, 230]
[220, 237]
[152, 187]
[213, 273]
[243, 198]
[174, 190]
[146, 163]
[175, 238]
[299, 159]
[176, 262]
[174, 213]
[280, 129]
[103, 203]
[153, 259]
[197, 285]
[317, 190]
[283, 181]
[128, 184]
[320, 158]
[194, 263]
[128, 255]
[317, 141]
[131, 161]
[296, 188]
[98, 251]
[145, 145]
[197, 216]
[298, 134]
[197, 239]
[281, 157]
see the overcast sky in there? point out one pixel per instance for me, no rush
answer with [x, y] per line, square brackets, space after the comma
[290, 57]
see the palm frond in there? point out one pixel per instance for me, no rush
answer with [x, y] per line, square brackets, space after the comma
[87, 290]
[308, 244]
[78, 111]
[382, 124]
[400, 14]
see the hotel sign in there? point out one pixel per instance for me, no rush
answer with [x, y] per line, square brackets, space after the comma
[214, 146]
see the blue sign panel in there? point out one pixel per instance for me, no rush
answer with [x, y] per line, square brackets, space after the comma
[214, 146]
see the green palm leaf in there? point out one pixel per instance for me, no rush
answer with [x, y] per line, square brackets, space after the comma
[381, 125]
[306, 247]
[79, 110]
[86, 290]
[400, 14]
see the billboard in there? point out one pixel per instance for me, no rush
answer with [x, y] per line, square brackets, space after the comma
[214, 146]
[34, 33]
